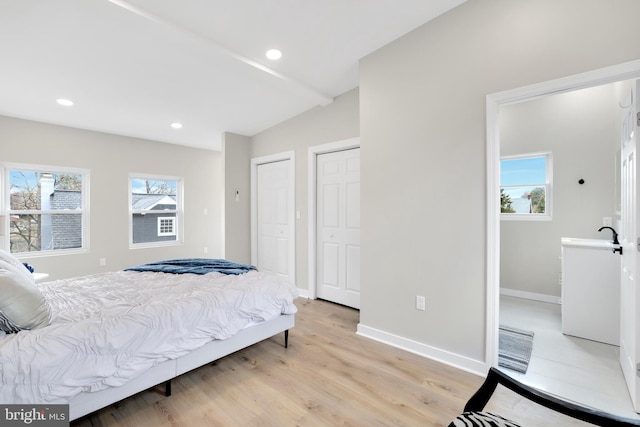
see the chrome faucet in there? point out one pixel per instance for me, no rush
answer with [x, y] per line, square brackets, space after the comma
[615, 239]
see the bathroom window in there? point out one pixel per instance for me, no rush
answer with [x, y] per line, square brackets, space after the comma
[525, 187]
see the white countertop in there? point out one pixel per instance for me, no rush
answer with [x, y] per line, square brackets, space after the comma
[576, 242]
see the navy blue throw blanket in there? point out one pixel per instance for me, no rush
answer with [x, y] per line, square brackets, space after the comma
[195, 266]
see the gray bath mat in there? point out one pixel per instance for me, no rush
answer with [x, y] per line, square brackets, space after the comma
[514, 349]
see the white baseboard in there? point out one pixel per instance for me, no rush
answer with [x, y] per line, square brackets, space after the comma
[461, 362]
[531, 295]
[303, 293]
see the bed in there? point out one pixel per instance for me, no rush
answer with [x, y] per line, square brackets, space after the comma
[94, 340]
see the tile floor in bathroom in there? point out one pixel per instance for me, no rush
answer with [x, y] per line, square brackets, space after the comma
[576, 369]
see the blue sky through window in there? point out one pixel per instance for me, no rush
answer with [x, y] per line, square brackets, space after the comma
[20, 180]
[525, 171]
[158, 186]
[520, 176]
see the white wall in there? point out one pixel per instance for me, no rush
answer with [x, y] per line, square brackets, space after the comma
[110, 158]
[422, 121]
[237, 210]
[581, 129]
[335, 122]
[420, 115]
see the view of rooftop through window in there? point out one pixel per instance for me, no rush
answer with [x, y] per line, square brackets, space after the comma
[45, 210]
[155, 208]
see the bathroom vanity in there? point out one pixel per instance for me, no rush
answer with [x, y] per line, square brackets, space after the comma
[590, 290]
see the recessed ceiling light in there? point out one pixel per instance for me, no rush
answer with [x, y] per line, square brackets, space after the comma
[274, 54]
[65, 102]
[176, 125]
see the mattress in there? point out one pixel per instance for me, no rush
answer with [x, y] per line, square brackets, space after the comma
[107, 329]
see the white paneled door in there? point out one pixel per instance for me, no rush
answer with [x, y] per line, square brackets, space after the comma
[630, 241]
[274, 218]
[338, 227]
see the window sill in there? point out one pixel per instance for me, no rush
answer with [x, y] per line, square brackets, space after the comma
[524, 217]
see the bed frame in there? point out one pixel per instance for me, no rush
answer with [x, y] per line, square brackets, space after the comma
[88, 402]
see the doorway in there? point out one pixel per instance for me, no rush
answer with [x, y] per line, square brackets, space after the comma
[272, 214]
[338, 222]
[494, 102]
[342, 292]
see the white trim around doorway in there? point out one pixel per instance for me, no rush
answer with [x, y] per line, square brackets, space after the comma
[625, 71]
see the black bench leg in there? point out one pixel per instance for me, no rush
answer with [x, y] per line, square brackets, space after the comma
[167, 388]
[286, 339]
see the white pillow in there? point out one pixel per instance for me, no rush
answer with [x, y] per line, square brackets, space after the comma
[11, 260]
[22, 306]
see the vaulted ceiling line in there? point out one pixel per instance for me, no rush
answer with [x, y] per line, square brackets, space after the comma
[319, 97]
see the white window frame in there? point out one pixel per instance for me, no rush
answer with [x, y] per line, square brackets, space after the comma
[172, 220]
[548, 187]
[5, 204]
[178, 211]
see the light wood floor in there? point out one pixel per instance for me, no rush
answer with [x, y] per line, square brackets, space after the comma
[329, 376]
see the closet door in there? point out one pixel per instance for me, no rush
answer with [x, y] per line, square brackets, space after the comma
[338, 222]
[274, 218]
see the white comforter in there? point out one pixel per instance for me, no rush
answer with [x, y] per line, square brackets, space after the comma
[106, 329]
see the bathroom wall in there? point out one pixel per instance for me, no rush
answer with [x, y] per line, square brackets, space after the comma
[581, 130]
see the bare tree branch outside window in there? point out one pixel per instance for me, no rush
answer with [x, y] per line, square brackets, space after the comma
[26, 210]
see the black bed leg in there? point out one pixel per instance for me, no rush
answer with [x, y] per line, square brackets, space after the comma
[167, 388]
[286, 339]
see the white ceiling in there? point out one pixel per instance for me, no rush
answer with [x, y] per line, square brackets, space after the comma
[134, 67]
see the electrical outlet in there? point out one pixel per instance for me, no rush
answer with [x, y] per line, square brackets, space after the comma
[606, 221]
[206, 250]
[420, 303]
[103, 262]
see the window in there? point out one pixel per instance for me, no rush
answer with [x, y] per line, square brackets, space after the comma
[166, 226]
[155, 210]
[47, 209]
[525, 186]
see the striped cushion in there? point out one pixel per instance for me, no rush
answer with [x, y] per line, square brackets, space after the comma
[481, 419]
[7, 326]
